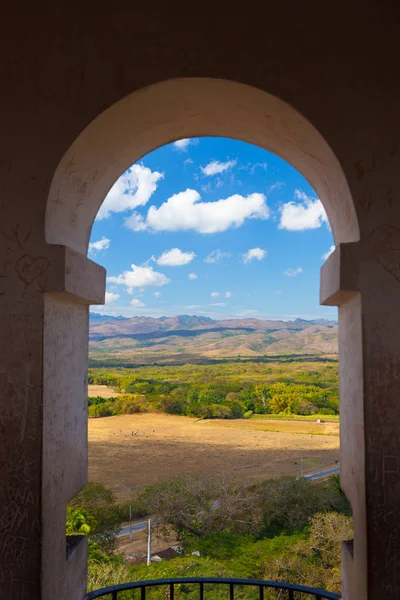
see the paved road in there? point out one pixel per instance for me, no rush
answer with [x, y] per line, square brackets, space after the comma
[135, 527]
[321, 474]
[143, 525]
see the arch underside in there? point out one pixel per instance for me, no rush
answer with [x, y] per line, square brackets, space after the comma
[182, 108]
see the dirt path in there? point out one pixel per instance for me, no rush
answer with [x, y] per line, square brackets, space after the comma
[131, 451]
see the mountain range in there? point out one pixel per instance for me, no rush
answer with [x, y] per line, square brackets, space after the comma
[190, 338]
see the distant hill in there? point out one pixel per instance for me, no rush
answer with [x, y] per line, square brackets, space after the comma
[190, 338]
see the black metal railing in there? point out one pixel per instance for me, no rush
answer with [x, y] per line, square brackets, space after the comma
[292, 591]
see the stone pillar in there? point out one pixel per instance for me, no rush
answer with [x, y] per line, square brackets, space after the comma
[78, 283]
[363, 279]
[43, 439]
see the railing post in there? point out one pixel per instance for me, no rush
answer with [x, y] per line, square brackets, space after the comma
[201, 590]
[291, 594]
[261, 592]
[171, 591]
[143, 593]
[231, 591]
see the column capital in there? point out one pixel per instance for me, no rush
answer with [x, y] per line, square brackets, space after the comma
[339, 274]
[74, 276]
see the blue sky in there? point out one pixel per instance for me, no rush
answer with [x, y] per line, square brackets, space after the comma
[215, 227]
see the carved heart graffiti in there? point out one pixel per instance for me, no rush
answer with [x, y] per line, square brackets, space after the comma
[385, 244]
[30, 268]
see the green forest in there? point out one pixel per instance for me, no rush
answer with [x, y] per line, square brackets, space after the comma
[229, 390]
[283, 530]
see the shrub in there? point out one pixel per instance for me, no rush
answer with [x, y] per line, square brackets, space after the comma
[101, 410]
[99, 503]
[237, 409]
[314, 561]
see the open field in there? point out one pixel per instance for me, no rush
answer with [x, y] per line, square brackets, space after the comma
[101, 390]
[289, 417]
[279, 426]
[128, 452]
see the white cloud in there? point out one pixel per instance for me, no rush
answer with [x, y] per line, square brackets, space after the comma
[216, 255]
[214, 294]
[207, 188]
[306, 214]
[184, 143]
[111, 297]
[252, 167]
[276, 186]
[156, 294]
[192, 276]
[135, 302]
[327, 254]
[175, 257]
[134, 188]
[100, 245]
[218, 304]
[215, 167]
[293, 272]
[228, 294]
[136, 222]
[254, 253]
[183, 212]
[138, 277]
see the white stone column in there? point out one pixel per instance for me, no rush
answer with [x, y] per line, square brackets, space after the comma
[77, 283]
[45, 292]
[363, 279]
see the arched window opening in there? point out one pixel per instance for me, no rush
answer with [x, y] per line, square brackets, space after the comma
[213, 380]
[119, 141]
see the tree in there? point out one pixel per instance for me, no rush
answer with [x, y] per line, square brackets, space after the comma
[98, 504]
[289, 503]
[204, 505]
[263, 396]
[315, 561]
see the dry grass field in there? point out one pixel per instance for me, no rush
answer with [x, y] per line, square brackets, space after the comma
[128, 452]
[101, 390]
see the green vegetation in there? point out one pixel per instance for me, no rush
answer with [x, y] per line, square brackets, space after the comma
[79, 522]
[95, 512]
[201, 506]
[225, 391]
[289, 530]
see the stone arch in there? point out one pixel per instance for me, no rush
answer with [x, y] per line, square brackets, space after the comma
[118, 137]
[181, 108]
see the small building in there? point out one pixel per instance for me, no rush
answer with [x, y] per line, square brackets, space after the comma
[167, 554]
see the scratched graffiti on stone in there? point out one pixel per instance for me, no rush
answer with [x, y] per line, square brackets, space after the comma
[385, 245]
[30, 268]
[368, 165]
[20, 493]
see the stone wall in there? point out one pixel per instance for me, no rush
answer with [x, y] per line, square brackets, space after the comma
[61, 69]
